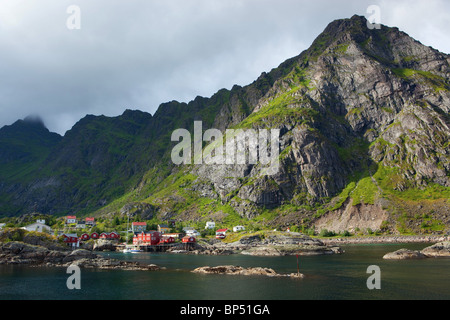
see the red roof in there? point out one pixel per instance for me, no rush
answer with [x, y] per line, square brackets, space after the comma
[222, 230]
[90, 219]
[71, 217]
[188, 239]
[139, 223]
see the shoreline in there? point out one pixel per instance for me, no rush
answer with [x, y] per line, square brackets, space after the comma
[394, 239]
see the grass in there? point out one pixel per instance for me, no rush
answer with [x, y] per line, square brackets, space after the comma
[365, 192]
[438, 83]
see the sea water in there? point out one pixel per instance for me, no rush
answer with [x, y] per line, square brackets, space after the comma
[327, 277]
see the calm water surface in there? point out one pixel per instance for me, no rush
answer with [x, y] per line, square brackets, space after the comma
[337, 277]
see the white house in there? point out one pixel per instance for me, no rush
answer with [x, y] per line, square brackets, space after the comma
[81, 224]
[71, 219]
[210, 225]
[192, 233]
[39, 227]
[238, 228]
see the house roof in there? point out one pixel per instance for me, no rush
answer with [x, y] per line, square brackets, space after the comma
[139, 223]
[73, 235]
[163, 226]
[71, 217]
[90, 219]
[222, 230]
[36, 224]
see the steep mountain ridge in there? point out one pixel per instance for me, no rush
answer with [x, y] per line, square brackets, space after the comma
[356, 122]
[363, 120]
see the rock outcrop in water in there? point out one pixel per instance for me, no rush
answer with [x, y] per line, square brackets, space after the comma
[404, 254]
[237, 270]
[441, 249]
[437, 250]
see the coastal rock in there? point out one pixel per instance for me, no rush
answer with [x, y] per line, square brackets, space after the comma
[79, 254]
[112, 264]
[441, 249]
[237, 270]
[404, 254]
[104, 245]
[262, 251]
[16, 252]
[272, 243]
[291, 250]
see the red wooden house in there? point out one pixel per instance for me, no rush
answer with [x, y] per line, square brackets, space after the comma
[148, 238]
[71, 240]
[167, 240]
[84, 237]
[221, 233]
[114, 236]
[104, 235]
[188, 239]
[94, 235]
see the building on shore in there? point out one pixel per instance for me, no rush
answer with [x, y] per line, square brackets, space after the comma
[163, 228]
[176, 236]
[81, 224]
[192, 233]
[71, 240]
[147, 238]
[188, 239]
[39, 226]
[90, 221]
[221, 233]
[71, 220]
[137, 227]
[210, 225]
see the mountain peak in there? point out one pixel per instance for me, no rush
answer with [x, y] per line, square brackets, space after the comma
[34, 120]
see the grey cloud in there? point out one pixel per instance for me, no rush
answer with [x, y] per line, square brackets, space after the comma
[138, 54]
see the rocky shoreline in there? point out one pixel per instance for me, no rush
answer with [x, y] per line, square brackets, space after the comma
[40, 250]
[385, 240]
[267, 244]
[20, 253]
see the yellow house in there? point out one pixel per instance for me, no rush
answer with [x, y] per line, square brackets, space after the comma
[163, 228]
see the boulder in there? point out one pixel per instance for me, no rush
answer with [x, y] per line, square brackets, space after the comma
[441, 249]
[404, 254]
[104, 245]
[78, 255]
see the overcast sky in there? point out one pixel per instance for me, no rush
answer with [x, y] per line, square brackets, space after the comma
[137, 54]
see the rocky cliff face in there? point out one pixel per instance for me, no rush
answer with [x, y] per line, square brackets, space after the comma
[363, 119]
[363, 115]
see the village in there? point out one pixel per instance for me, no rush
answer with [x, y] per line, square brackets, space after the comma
[137, 237]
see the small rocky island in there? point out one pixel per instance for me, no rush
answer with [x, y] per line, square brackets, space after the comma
[441, 249]
[237, 270]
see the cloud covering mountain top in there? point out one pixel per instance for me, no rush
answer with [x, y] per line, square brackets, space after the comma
[139, 54]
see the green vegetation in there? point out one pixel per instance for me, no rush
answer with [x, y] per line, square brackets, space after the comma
[438, 83]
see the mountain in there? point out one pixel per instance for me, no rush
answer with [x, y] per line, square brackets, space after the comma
[364, 131]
